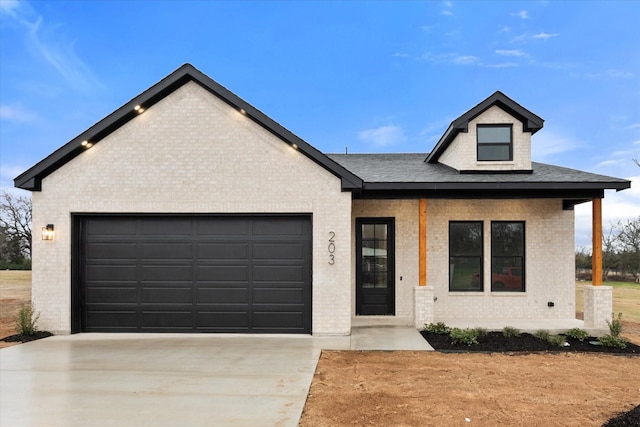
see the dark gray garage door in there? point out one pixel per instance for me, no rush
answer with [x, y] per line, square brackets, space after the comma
[248, 274]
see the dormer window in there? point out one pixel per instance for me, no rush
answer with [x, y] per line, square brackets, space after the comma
[495, 143]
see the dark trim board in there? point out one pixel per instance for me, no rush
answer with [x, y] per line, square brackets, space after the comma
[192, 273]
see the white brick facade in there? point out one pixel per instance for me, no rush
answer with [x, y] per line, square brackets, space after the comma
[192, 153]
[549, 260]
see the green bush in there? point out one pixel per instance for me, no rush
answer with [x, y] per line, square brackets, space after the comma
[542, 334]
[465, 336]
[577, 334]
[26, 320]
[615, 326]
[437, 328]
[510, 332]
[613, 341]
[556, 340]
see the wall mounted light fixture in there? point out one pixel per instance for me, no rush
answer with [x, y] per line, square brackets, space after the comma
[48, 232]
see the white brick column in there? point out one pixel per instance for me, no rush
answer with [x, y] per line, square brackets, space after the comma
[422, 306]
[598, 306]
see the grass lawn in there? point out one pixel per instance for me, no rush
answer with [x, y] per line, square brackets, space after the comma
[626, 299]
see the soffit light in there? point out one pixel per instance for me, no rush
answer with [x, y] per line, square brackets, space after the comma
[138, 109]
[86, 144]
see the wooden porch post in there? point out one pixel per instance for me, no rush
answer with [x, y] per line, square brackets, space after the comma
[422, 250]
[596, 248]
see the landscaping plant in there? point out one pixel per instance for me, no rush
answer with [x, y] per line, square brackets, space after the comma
[465, 336]
[26, 320]
[613, 339]
[578, 334]
[510, 332]
[437, 328]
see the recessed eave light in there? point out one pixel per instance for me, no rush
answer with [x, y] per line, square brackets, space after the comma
[295, 146]
[138, 109]
[243, 112]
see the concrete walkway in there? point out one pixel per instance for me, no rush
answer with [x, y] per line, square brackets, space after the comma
[170, 379]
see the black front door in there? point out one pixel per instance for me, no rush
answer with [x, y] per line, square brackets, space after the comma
[375, 262]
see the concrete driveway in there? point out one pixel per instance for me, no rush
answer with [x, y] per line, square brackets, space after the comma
[159, 380]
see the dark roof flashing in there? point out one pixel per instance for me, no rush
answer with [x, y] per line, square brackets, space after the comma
[32, 178]
[530, 122]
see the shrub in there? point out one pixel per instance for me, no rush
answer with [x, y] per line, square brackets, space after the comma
[437, 328]
[556, 340]
[542, 334]
[481, 332]
[613, 341]
[465, 336]
[577, 334]
[510, 332]
[615, 326]
[26, 320]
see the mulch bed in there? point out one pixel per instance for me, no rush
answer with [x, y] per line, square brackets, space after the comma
[26, 338]
[625, 419]
[497, 343]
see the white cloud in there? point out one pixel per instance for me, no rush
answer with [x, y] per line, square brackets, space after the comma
[611, 73]
[15, 113]
[547, 144]
[511, 52]
[49, 44]
[383, 136]
[544, 36]
[465, 60]
[446, 12]
[400, 55]
[523, 14]
[634, 126]
[637, 142]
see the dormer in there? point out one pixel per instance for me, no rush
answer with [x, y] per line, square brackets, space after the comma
[494, 136]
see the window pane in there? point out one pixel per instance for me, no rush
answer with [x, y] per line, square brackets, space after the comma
[494, 134]
[465, 274]
[506, 274]
[465, 238]
[507, 238]
[497, 152]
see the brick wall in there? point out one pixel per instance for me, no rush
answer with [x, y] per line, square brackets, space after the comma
[192, 153]
[549, 260]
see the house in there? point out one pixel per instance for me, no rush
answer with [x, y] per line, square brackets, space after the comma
[189, 210]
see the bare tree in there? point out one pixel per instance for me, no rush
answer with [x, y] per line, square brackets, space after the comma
[629, 239]
[15, 224]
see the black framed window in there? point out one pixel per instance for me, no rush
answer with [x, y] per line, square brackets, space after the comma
[507, 256]
[465, 256]
[495, 142]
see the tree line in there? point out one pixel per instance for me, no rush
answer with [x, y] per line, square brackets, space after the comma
[15, 232]
[620, 252]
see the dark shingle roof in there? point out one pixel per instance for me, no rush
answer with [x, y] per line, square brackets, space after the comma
[411, 169]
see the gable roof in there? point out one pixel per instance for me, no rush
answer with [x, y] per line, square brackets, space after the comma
[32, 178]
[530, 122]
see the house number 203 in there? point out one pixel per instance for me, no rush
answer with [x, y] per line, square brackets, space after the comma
[332, 247]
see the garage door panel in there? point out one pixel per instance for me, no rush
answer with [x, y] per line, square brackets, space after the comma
[167, 251]
[223, 251]
[112, 295]
[111, 273]
[278, 273]
[278, 296]
[158, 227]
[109, 227]
[111, 251]
[194, 273]
[218, 226]
[223, 273]
[112, 320]
[278, 251]
[269, 227]
[167, 320]
[167, 273]
[223, 295]
[167, 295]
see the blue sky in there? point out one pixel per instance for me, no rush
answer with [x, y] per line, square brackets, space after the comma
[374, 76]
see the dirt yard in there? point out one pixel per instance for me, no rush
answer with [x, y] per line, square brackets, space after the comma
[407, 388]
[15, 289]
